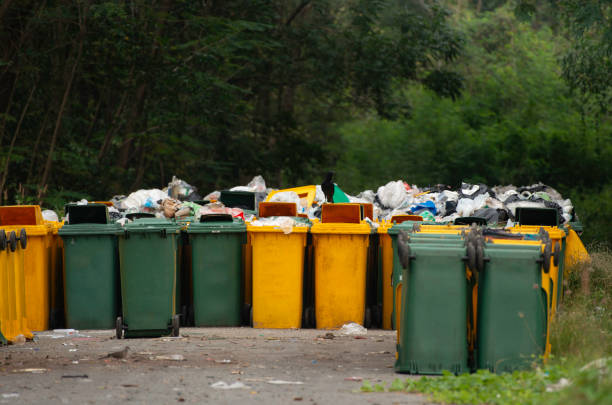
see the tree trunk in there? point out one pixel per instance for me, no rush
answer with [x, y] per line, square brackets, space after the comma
[479, 6]
[93, 122]
[4, 7]
[141, 166]
[113, 128]
[8, 107]
[60, 114]
[10, 151]
[126, 146]
[36, 143]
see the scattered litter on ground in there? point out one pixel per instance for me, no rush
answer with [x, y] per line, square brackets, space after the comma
[283, 382]
[31, 370]
[222, 385]
[559, 385]
[352, 329]
[63, 333]
[121, 354]
[224, 361]
[353, 379]
[75, 376]
[10, 395]
[173, 357]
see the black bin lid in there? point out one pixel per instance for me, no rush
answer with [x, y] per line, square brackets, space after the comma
[238, 199]
[537, 216]
[87, 214]
[470, 221]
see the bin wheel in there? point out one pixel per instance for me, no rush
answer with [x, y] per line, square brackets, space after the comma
[176, 322]
[309, 321]
[367, 323]
[547, 256]
[12, 241]
[251, 317]
[23, 238]
[119, 327]
[471, 254]
[378, 315]
[246, 314]
[480, 258]
[2, 239]
[557, 254]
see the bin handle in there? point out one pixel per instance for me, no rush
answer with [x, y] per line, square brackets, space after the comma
[163, 232]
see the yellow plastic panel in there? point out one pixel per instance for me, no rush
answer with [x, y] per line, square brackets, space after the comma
[278, 263]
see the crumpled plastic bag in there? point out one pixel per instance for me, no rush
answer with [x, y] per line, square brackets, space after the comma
[50, 215]
[286, 196]
[319, 194]
[367, 195]
[352, 328]
[257, 185]
[138, 199]
[392, 194]
[467, 206]
[181, 190]
[219, 208]
[285, 224]
[214, 196]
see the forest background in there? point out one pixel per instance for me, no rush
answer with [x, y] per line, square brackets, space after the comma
[99, 98]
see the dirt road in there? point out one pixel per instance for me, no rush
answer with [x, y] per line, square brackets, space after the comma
[268, 366]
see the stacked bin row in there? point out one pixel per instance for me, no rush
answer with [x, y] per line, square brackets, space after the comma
[464, 298]
[473, 299]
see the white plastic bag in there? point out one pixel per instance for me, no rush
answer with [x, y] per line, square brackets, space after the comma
[392, 194]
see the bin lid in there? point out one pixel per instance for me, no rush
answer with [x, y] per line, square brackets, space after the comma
[153, 225]
[90, 229]
[87, 214]
[217, 223]
[238, 199]
[20, 215]
[341, 229]
[406, 226]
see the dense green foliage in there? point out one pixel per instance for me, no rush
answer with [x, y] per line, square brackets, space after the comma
[518, 122]
[117, 95]
[103, 97]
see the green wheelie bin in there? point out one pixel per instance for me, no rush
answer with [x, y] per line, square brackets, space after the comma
[149, 257]
[435, 302]
[216, 263]
[512, 315]
[91, 267]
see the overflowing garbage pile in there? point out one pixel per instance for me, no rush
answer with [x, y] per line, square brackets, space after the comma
[443, 204]
[440, 203]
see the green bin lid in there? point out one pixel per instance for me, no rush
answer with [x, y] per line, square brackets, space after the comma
[405, 226]
[152, 225]
[89, 229]
[216, 223]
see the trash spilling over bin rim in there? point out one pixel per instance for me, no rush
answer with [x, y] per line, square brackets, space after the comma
[217, 227]
[341, 229]
[276, 229]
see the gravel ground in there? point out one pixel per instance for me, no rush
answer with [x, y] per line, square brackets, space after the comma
[271, 366]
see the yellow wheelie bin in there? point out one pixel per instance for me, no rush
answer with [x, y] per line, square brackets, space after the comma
[386, 261]
[340, 265]
[57, 319]
[12, 288]
[38, 265]
[277, 269]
